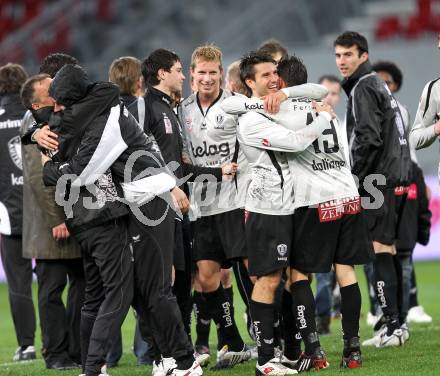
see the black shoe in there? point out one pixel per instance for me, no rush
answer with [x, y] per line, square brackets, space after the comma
[323, 325]
[24, 354]
[62, 365]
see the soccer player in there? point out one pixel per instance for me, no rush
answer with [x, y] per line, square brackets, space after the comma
[18, 269]
[163, 75]
[333, 233]
[379, 152]
[325, 281]
[269, 202]
[424, 132]
[210, 137]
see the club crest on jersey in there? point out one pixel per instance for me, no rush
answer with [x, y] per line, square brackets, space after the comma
[219, 122]
[265, 142]
[14, 148]
[167, 124]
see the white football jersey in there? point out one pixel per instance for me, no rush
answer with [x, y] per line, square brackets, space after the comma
[267, 146]
[210, 140]
[321, 172]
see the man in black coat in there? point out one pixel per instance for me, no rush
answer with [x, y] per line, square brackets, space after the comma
[46, 237]
[379, 153]
[105, 137]
[18, 269]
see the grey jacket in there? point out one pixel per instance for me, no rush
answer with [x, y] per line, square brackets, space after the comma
[40, 211]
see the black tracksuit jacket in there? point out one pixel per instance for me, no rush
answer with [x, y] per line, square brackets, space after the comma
[377, 138]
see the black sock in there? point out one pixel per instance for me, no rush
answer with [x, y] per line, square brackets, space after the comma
[399, 275]
[263, 315]
[277, 329]
[278, 301]
[203, 319]
[369, 275]
[304, 304]
[413, 301]
[386, 289]
[291, 335]
[229, 292]
[220, 311]
[350, 310]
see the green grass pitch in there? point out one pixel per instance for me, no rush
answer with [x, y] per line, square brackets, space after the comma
[419, 356]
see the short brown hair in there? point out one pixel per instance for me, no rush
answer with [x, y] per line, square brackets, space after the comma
[125, 72]
[12, 78]
[208, 52]
[272, 47]
[27, 93]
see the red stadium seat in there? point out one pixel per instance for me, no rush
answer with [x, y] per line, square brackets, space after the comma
[388, 27]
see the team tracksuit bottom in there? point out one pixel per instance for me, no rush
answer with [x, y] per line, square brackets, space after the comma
[108, 267]
[160, 320]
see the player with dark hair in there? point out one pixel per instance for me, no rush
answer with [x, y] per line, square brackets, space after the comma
[380, 151]
[18, 269]
[331, 233]
[163, 74]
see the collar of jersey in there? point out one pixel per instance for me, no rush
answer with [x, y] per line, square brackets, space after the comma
[212, 104]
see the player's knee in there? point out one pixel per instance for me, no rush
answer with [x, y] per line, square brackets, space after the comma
[270, 282]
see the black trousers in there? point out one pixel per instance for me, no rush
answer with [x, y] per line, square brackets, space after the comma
[60, 324]
[159, 316]
[18, 272]
[183, 278]
[108, 268]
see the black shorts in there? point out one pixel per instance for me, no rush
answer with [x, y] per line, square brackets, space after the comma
[220, 237]
[321, 242]
[382, 222]
[269, 242]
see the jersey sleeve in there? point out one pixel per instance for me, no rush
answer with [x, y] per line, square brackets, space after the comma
[261, 132]
[422, 132]
[238, 105]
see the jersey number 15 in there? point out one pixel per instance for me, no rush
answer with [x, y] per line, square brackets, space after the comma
[328, 141]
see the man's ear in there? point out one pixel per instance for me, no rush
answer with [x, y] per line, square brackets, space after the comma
[364, 56]
[250, 83]
[35, 106]
[161, 74]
